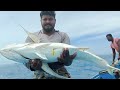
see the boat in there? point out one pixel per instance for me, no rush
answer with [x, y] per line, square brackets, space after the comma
[105, 75]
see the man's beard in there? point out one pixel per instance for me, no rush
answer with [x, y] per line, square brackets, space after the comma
[48, 29]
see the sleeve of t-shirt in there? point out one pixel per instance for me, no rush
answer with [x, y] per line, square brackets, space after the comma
[66, 39]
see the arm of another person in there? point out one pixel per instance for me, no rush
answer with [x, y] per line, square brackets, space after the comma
[114, 54]
[119, 49]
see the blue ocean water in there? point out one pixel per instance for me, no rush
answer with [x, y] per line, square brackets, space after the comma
[86, 70]
[78, 70]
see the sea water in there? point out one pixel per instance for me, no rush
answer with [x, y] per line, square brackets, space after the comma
[78, 70]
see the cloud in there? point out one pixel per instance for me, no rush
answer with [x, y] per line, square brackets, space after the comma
[93, 25]
[81, 26]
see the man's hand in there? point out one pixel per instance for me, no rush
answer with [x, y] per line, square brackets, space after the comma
[117, 74]
[119, 58]
[35, 64]
[113, 63]
[66, 58]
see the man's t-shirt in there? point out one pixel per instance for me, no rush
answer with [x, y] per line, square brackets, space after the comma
[57, 37]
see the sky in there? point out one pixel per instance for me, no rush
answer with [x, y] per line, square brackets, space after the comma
[85, 28]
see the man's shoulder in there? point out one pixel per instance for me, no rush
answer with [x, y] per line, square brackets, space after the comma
[61, 33]
[116, 39]
[35, 33]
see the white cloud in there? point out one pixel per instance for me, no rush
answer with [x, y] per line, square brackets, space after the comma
[90, 25]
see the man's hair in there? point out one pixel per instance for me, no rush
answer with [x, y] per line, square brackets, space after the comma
[50, 13]
[109, 35]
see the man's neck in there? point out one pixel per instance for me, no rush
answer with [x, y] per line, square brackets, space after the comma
[49, 33]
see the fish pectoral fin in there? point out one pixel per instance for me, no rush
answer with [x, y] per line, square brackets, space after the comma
[47, 69]
[41, 56]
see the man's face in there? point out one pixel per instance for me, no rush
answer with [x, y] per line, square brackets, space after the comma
[109, 38]
[48, 23]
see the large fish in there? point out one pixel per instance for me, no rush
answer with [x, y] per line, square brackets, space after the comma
[48, 53]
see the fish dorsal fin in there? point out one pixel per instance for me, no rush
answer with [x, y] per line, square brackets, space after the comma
[47, 69]
[41, 56]
[32, 36]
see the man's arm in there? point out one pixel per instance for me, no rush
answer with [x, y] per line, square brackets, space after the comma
[114, 54]
[33, 64]
[119, 49]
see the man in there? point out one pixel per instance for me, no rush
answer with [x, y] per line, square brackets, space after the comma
[115, 45]
[49, 34]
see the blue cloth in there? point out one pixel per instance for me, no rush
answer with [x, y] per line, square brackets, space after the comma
[106, 76]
